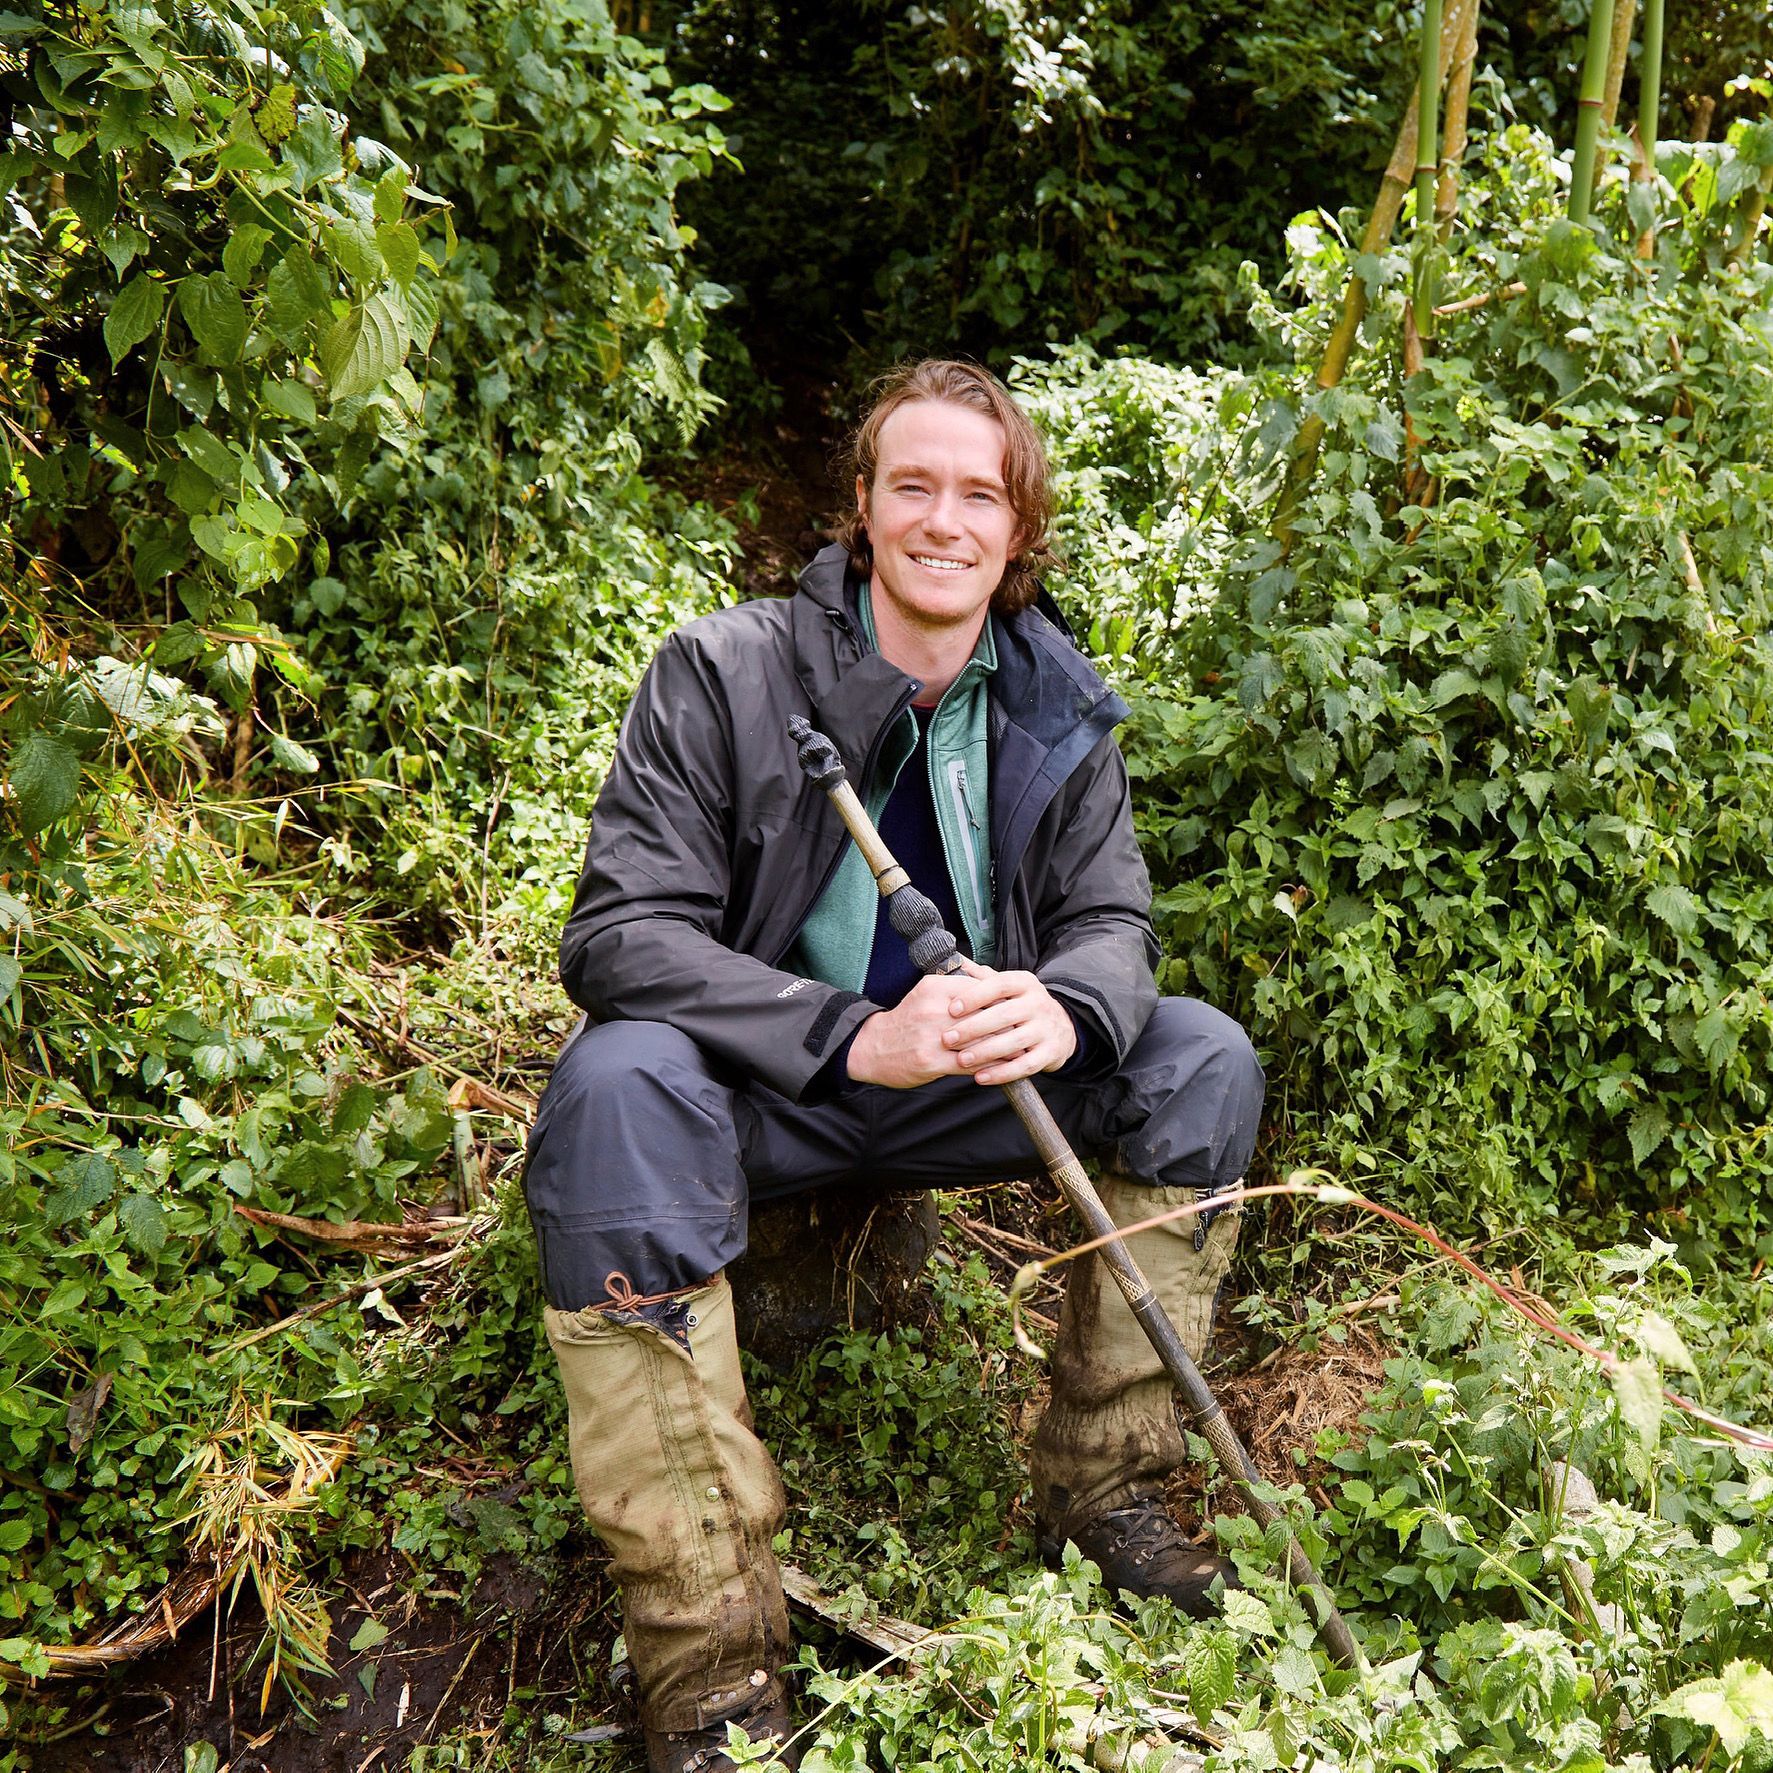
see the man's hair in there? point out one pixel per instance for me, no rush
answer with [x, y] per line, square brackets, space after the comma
[1027, 476]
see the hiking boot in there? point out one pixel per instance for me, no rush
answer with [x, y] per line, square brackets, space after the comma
[704, 1750]
[1139, 1548]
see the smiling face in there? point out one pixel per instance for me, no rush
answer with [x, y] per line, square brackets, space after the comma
[939, 519]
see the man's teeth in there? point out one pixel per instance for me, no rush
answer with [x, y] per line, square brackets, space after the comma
[947, 566]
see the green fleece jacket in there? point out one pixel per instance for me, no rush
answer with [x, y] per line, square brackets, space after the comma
[838, 937]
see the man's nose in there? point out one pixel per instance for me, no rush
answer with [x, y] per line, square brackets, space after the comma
[943, 516]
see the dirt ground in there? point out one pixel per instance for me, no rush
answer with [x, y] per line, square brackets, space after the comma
[444, 1668]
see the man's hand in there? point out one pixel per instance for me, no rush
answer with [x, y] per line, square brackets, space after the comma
[994, 1027]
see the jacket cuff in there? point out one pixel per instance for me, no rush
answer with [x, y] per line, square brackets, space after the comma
[819, 1063]
[1091, 1016]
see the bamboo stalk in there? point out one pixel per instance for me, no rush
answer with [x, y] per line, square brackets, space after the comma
[1588, 110]
[1650, 82]
[1340, 346]
[1428, 158]
[1446, 197]
[1625, 15]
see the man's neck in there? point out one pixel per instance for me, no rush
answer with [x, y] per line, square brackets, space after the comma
[934, 656]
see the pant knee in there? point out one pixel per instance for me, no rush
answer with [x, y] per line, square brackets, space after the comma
[633, 1167]
[1194, 1098]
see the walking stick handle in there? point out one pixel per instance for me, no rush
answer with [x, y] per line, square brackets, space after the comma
[933, 950]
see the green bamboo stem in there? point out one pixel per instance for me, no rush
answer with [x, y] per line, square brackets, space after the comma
[1588, 109]
[1643, 168]
[1650, 82]
[1399, 171]
[1428, 162]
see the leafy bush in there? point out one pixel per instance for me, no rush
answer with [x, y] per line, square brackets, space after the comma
[1462, 802]
[991, 177]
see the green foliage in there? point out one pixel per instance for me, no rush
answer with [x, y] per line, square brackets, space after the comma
[906, 1495]
[1461, 804]
[990, 177]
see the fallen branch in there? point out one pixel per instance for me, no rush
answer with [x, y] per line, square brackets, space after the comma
[369, 1281]
[357, 1234]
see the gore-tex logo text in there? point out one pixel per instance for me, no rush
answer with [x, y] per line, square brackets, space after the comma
[798, 985]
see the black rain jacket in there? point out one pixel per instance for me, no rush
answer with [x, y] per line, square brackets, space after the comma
[709, 846]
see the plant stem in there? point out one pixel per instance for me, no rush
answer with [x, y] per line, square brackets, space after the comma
[1340, 345]
[1650, 82]
[1625, 13]
[1428, 93]
[1588, 109]
[1446, 198]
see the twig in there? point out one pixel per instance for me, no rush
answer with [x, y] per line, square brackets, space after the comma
[425, 1734]
[399, 1043]
[1506, 293]
[355, 1232]
[351, 1292]
[1304, 1185]
[980, 1227]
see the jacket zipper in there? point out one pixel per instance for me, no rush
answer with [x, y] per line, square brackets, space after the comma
[963, 806]
[830, 874]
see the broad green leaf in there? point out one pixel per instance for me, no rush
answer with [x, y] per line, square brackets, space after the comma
[276, 115]
[1209, 1667]
[246, 246]
[15, 1535]
[287, 754]
[290, 399]
[295, 293]
[1676, 907]
[311, 152]
[134, 315]
[10, 974]
[1662, 1341]
[361, 350]
[1294, 1672]
[370, 1633]
[1738, 1704]
[1638, 1388]
[93, 197]
[216, 536]
[1248, 1614]
[215, 314]
[143, 1220]
[45, 779]
[352, 244]
[85, 1182]
[1648, 1128]
[400, 250]
[174, 645]
[390, 197]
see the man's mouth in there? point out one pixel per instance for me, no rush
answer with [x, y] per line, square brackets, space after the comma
[938, 564]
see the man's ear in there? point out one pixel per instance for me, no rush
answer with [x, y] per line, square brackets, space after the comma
[862, 500]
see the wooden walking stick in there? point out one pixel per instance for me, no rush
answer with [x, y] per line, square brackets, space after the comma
[933, 951]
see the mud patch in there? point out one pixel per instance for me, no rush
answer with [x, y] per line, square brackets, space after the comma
[528, 1637]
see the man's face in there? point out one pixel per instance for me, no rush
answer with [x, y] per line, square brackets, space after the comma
[938, 515]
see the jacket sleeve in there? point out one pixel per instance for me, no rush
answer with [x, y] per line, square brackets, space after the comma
[1092, 910]
[643, 939]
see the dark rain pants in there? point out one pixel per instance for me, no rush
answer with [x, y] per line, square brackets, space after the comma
[644, 1159]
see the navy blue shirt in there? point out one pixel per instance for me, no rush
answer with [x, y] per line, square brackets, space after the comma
[909, 829]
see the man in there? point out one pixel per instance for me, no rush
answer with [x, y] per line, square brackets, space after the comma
[756, 1028]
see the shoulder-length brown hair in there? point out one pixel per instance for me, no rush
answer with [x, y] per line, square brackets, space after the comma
[1027, 475]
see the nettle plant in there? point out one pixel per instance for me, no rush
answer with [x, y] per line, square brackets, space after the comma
[1460, 795]
[213, 290]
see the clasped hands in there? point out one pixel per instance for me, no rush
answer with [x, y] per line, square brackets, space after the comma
[993, 1027]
